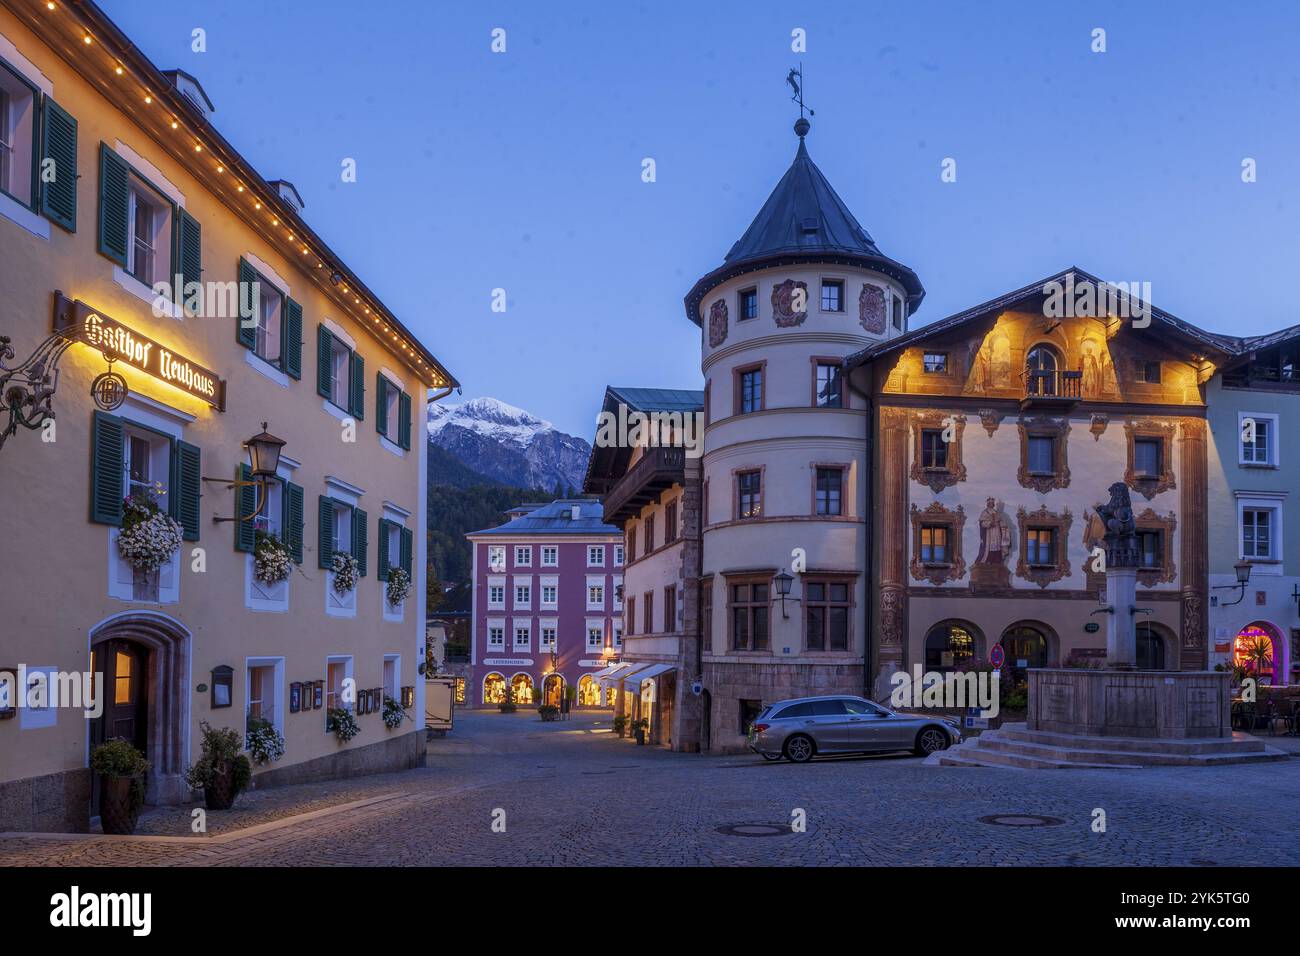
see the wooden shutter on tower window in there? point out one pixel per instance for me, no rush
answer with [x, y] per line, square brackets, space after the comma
[107, 449]
[381, 565]
[291, 339]
[293, 520]
[408, 539]
[359, 540]
[404, 420]
[186, 487]
[246, 499]
[381, 404]
[114, 204]
[246, 326]
[357, 387]
[325, 526]
[59, 145]
[189, 252]
[324, 360]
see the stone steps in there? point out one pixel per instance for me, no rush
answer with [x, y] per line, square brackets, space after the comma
[1015, 746]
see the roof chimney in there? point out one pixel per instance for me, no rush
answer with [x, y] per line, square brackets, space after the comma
[576, 512]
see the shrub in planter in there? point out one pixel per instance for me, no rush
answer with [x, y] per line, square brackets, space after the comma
[343, 723]
[121, 793]
[263, 741]
[548, 712]
[507, 705]
[394, 713]
[640, 727]
[223, 771]
[620, 724]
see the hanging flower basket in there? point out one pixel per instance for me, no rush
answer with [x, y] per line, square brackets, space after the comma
[394, 713]
[345, 572]
[263, 741]
[271, 561]
[399, 586]
[342, 723]
[149, 536]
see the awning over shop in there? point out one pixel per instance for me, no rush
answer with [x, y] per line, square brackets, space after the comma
[623, 670]
[654, 670]
[612, 668]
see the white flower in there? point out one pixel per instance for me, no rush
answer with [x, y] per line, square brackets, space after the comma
[345, 572]
[271, 561]
[394, 713]
[264, 742]
[149, 536]
[399, 586]
[343, 723]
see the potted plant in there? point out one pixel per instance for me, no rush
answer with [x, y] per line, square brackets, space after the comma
[507, 705]
[222, 772]
[548, 712]
[343, 723]
[398, 587]
[620, 724]
[121, 770]
[394, 713]
[345, 569]
[271, 559]
[263, 741]
[149, 536]
[640, 727]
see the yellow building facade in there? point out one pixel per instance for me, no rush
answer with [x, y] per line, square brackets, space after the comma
[117, 181]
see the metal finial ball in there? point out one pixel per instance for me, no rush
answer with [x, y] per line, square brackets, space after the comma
[801, 127]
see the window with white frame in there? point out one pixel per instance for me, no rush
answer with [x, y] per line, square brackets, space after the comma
[595, 594]
[342, 527]
[523, 637]
[261, 692]
[1259, 531]
[595, 555]
[523, 554]
[340, 373]
[549, 630]
[267, 336]
[618, 634]
[18, 103]
[1258, 439]
[496, 635]
[595, 635]
[148, 463]
[270, 519]
[618, 555]
[550, 556]
[523, 595]
[618, 601]
[497, 594]
[392, 674]
[337, 670]
[149, 225]
[497, 557]
[550, 592]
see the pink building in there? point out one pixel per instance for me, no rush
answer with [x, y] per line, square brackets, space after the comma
[547, 607]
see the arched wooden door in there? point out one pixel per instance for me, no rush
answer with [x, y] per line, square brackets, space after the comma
[124, 665]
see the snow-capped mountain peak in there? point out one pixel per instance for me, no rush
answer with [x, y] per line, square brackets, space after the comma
[508, 444]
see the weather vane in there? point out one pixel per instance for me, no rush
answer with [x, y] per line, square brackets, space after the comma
[795, 79]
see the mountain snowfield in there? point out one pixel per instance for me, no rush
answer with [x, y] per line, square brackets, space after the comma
[509, 445]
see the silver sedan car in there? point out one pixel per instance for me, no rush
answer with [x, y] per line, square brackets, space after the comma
[802, 728]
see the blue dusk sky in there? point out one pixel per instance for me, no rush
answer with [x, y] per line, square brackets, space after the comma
[522, 170]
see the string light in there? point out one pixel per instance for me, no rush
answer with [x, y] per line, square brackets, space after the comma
[198, 148]
[49, 6]
[221, 169]
[119, 71]
[148, 98]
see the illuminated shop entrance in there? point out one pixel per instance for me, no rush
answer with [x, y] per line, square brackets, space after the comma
[494, 689]
[1025, 647]
[1255, 649]
[552, 689]
[521, 686]
[949, 645]
[588, 692]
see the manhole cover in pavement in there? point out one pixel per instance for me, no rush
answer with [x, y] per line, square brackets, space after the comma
[756, 829]
[1021, 820]
[595, 773]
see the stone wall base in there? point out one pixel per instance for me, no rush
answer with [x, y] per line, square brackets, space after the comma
[730, 683]
[399, 752]
[53, 803]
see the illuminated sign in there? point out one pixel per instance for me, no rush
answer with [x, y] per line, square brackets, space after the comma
[124, 344]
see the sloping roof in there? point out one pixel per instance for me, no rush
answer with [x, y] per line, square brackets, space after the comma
[655, 399]
[803, 220]
[1222, 344]
[556, 518]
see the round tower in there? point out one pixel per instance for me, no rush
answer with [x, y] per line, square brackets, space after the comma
[784, 466]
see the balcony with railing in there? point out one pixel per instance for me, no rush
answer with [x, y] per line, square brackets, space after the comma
[1051, 388]
[654, 472]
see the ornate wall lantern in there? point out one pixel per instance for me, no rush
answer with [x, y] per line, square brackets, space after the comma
[263, 462]
[1242, 568]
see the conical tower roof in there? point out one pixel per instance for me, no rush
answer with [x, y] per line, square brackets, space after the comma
[803, 220]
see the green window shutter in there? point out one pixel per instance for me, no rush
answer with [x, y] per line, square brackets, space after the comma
[291, 338]
[325, 542]
[189, 250]
[381, 406]
[381, 565]
[357, 386]
[359, 541]
[245, 502]
[107, 440]
[293, 519]
[59, 144]
[185, 487]
[408, 540]
[246, 326]
[324, 357]
[114, 200]
[404, 420]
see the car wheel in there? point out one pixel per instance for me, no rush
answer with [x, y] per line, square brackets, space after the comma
[930, 740]
[768, 756]
[799, 749]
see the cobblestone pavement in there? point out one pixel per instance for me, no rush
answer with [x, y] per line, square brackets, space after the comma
[572, 793]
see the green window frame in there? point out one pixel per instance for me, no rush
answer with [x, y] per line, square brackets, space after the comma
[289, 360]
[108, 436]
[356, 385]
